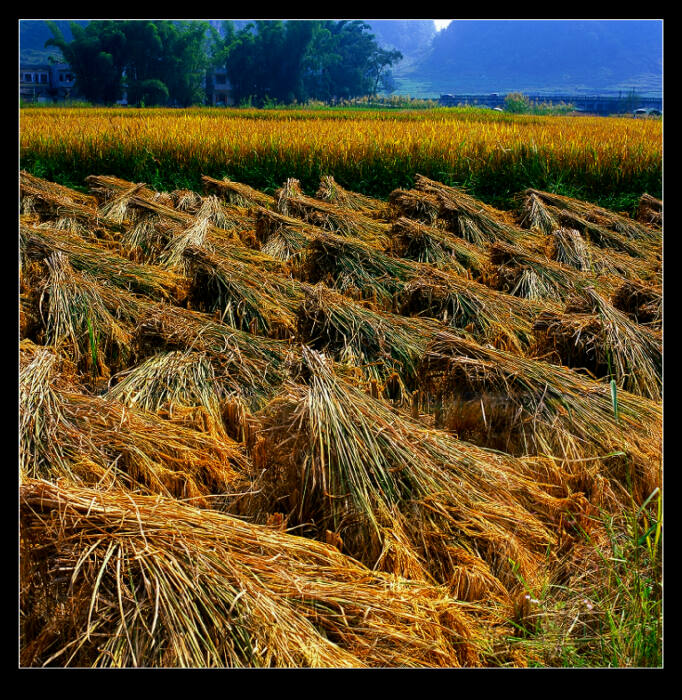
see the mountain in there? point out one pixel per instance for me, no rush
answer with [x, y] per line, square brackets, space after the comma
[33, 33]
[543, 56]
[412, 37]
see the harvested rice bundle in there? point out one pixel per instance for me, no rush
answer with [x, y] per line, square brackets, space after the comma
[186, 200]
[386, 346]
[650, 211]
[532, 276]
[64, 209]
[103, 265]
[428, 244]
[249, 367]
[630, 228]
[237, 193]
[330, 191]
[94, 321]
[488, 315]
[540, 215]
[135, 201]
[175, 586]
[415, 205]
[291, 201]
[526, 406]
[109, 187]
[119, 208]
[470, 218]
[593, 334]
[173, 383]
[642, 302]
[173, 257]
[396, 494]
[145, 240]
[65, 433]
[283, 237]
[355, 268]
[227, 218]
[53, 192]
[568, 247]
[246, 297]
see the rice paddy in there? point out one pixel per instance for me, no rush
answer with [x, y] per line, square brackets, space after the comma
[301, 425]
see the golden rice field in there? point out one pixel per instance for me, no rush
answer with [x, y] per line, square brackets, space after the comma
[492, 154]
[339, 388]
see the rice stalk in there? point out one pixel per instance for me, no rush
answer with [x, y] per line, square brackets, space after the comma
[109, 582]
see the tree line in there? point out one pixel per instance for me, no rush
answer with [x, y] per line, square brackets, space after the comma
[168, 62]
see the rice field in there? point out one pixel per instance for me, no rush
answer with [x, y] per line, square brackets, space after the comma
[277, 421]
[608, 160]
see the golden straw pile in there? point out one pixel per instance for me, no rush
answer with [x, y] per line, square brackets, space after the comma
[322, 430]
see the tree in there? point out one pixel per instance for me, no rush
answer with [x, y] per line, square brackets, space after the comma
[273, 60]
[344, 61]
[380, 60]
[266, 60]
[96, 56]
[156, 62]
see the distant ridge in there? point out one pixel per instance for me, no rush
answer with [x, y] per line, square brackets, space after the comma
[542, 56]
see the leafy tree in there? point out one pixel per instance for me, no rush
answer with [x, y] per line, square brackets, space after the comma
[266, 60]
[344, 61]
[157, 62]
[184, 60]
[517, 103]
[97, 56]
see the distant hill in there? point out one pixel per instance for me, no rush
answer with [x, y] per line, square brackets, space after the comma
[543, 56]
[482, 56]
[412, 37]
[33, 33]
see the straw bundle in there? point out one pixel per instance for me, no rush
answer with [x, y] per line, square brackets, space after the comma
[64, 209]
[587, 211]
[642, 302]
[237, 193]
[434, 246]
[386, 346]
[488, 315]
[249, 300]
[470, 218]
[113, 580]
[567, 246]
[94, 321]
[355, 268]
[532, 276]
[650, 211]
[593, 334]
[39, 243]
[330, 191]
[539, 214]
[186, 200]
[249, 367]
[109, 187]
[172, 384]
[539, 408]
[53, 192]
[397, 494]
[283, 237]
[95, 440]
[413, 204]
[291, 201]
